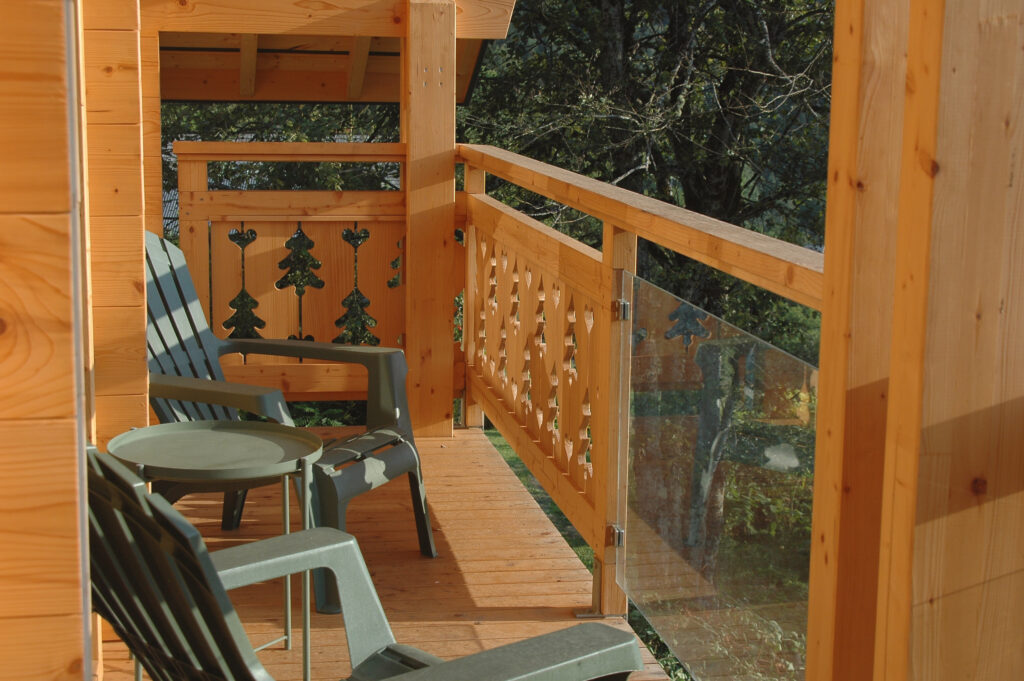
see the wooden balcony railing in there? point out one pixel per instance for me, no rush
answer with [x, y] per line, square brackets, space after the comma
[544, 342]
[543, 337]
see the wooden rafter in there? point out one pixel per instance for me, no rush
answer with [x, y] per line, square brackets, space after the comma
[358, 57]
[247, 67]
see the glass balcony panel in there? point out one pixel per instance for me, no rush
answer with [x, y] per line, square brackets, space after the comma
[720, 467]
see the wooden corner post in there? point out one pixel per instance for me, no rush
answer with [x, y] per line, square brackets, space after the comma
[428, 129]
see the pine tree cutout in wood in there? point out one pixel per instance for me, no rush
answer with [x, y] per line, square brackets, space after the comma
[356, 323]
[299, 264]
[244, 321]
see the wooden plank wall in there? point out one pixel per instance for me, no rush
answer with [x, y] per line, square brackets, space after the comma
[960, 302]
[113, 83]
[41, 619]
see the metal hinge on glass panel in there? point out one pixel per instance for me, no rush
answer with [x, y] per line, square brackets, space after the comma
[620, 309]
[615, 536]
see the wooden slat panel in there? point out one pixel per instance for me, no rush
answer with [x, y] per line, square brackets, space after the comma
[35, 317]
[115, 169]
[290, 151]
[120, 350]
[488, 19]
[33, 110]
[780, 267]
[116, 250]
[39, 520]
[112, 76]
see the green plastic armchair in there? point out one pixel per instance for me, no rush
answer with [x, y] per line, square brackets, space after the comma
[166, 597]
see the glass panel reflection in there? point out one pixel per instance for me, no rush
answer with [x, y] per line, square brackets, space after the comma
[720, 473]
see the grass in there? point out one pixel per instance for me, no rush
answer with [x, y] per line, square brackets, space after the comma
[672, 666]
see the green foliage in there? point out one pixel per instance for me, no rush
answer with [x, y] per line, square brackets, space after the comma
[719, 106]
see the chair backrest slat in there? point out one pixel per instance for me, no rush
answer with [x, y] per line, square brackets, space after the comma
[153, 580]
[179, 340]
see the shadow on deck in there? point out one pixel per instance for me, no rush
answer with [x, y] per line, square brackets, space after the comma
[503, 572]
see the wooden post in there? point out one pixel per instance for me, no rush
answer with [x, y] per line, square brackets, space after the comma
[863, 182]
[474, 182]
[428, 129]
[619, 251]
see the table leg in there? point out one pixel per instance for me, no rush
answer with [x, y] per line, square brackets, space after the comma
[307, 475]
[286, 520]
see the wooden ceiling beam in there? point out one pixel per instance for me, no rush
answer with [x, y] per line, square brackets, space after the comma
[248, 47]
[357, 67]
[485, 19]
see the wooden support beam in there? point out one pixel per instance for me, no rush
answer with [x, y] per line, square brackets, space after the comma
[358, 57]
[428, 129]
[247, 49]
[485, 19]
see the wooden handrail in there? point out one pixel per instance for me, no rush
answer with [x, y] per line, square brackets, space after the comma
[351, 152]
[783, 268]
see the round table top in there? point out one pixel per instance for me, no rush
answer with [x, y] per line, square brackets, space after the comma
[194, 451]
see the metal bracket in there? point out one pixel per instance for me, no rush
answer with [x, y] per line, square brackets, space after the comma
[620, 309]
[615, 536]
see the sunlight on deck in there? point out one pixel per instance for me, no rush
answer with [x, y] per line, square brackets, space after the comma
[503, 572]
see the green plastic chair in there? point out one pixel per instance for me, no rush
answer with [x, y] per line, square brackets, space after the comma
[166, 597]
[187, 384]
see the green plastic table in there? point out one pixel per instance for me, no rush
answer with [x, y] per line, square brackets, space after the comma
[219, 454]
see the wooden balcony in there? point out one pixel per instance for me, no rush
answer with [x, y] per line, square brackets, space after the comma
[503, 572]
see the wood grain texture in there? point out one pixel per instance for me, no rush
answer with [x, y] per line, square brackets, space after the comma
[116, 252]
[248, 45]
[968, 523]
[474, 596]
[48, 650]
[358, 57]
[39, 567]
[35, 317]
[428, 129]
[864, 163]
[33, 107]
[487, 19]
[780, 267]
[112, 75]
[115, 169]
[120, 350]
[291, 151]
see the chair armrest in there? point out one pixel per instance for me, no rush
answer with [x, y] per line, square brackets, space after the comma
[586, 651]
[366, 627]
[267, 402]
[386, 403]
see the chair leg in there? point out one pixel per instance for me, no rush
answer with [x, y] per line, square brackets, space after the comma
[325, 587]
[419, 509]
[231, 517]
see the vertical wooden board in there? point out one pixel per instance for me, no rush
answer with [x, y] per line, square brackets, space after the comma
[428, 112]
[969, 533]
[149, 48]
[112, 77]
[117, 262]
[40, 575]
[321, 307]
[375, 259]
[115, 170]
[33, 107]
[36, 362]
[49, 649]
[120, 350]
[225, 280]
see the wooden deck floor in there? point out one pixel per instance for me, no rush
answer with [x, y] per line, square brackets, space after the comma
[503, 574]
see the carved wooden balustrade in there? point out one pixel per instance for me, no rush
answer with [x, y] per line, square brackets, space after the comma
[545, 329]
